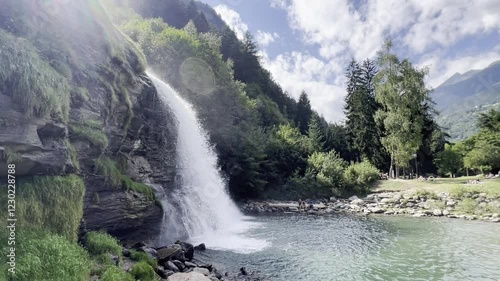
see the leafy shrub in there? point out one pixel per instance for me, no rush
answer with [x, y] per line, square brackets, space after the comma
[98, 243]
[42, 256]
[143, 257]
[114, 273]
[328, 168]
[361, 174]
[143, 272]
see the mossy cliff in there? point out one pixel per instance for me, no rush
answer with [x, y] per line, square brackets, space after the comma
[76, 106]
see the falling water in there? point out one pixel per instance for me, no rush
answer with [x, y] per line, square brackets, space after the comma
[199, 208]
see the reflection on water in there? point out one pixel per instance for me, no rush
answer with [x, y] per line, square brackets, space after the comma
[369, 248]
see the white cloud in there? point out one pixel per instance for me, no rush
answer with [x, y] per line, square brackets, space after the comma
[265, 38]
[297, 72]
[233, 20]
[339, 26]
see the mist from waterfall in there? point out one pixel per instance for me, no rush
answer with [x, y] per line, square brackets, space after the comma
[199, 208]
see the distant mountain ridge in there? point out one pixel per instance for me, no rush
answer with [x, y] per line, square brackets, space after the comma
[462, 97]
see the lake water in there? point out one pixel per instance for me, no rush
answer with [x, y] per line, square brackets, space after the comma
[349, 247]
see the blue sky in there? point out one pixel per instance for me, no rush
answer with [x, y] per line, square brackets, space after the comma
[306, 44]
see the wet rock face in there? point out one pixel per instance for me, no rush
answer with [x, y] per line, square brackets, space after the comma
[35, 145]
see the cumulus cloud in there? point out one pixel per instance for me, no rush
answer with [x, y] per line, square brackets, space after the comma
[265, 38]
[297, 72]
[233, 20]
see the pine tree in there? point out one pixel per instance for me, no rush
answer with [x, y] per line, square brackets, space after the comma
[304, 113]
[316, 136]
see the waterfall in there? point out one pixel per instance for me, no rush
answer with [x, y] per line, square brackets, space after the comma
[199, 207]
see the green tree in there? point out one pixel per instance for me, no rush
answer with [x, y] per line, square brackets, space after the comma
[401, 91]
[304, 113]
[316, 136]
[449, 161]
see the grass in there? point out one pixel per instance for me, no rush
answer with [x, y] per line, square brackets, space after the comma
[143, 257]
[143, 272]
[454, 186]
[91, 131]
[43, 256]
[114, 273]
[98, 243]
[33, 83]
[51, 203]
[73, 154]
[113, 172]
[141, 188]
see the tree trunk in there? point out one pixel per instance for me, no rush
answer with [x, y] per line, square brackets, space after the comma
[391, 170]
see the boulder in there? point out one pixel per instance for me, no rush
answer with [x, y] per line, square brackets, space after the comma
[190, 264]
[333, 199]
[187, 248]
[446, 212]
[152, 253]
[451, 203]
[179, 265]
[352, 198]
[437, 212]
[170, 252]
[191, 276]
[201, 247]
[357, 202]
[201, 270]
[170, 265]
[377, 210]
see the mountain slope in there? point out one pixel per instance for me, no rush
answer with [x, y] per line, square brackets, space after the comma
[462, 97]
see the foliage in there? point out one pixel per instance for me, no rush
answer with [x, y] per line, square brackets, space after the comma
[143, 272]
[401, 92]
[361, 174]
[114, 273]
[143, 257]
[449, 161]
[328, 168]
[43, 256]
[98, 243]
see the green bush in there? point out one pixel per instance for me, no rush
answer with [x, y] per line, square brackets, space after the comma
[328, 168]
[98, 243]
[143, 272]
[360, 175]
[467, 206]
[101, 263]
[51, 203]
[114, 273]
[45, 257]
[424, 193]
[90, 131]
[143, 257]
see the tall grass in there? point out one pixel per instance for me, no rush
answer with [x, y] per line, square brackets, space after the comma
[51, 203]
[32, 82]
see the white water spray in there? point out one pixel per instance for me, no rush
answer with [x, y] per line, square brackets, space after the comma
[200, 208]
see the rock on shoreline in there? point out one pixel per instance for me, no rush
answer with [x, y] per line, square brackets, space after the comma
[176, 262]
[388, 203]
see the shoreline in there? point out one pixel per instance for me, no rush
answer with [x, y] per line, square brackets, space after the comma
[387, 203]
